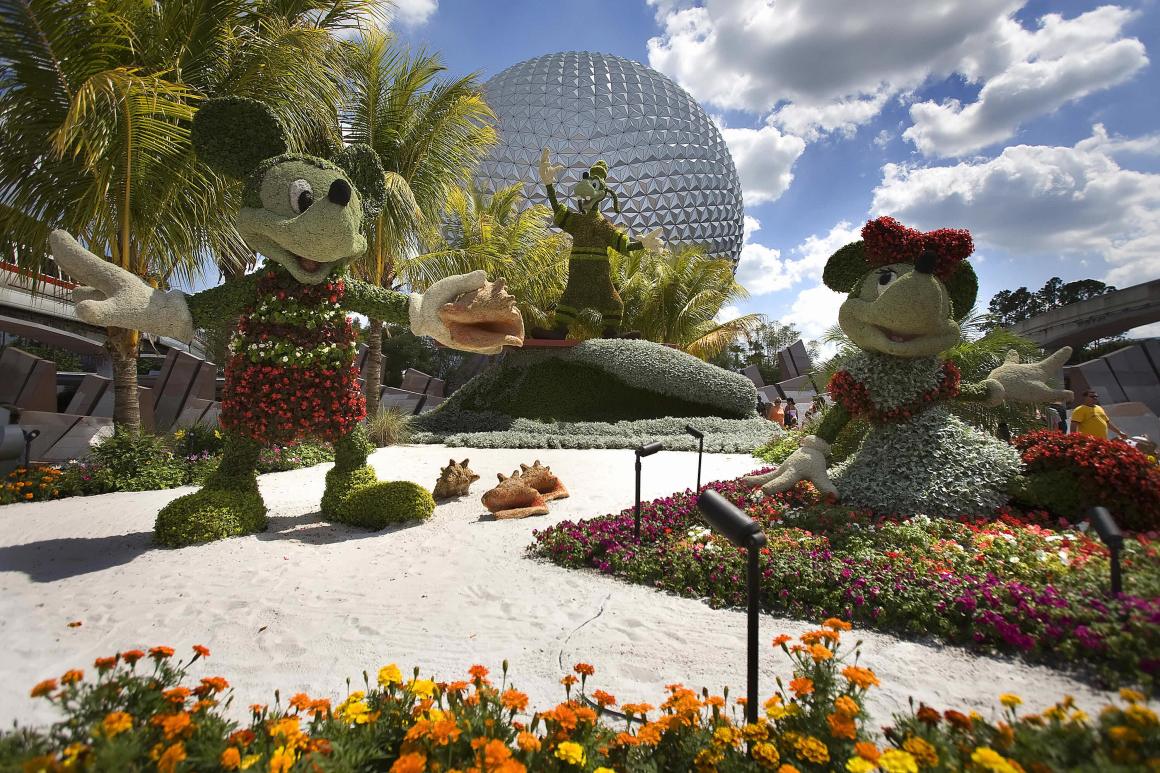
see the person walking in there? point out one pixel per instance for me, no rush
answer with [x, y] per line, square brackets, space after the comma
[777, 412]
[1090, 418]
[791, 413]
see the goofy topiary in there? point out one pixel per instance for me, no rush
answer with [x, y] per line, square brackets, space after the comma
[589, 267]
[291, 371]
[908, 291]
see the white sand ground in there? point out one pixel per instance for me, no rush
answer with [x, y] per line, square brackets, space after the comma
[307, 604]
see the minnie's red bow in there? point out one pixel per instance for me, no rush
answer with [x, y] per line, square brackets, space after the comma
[889, 241]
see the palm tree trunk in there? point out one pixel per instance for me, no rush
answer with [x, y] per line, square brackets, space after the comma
[374, 367]
[123, 348]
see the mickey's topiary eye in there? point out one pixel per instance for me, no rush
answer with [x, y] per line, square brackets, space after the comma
[301, 196]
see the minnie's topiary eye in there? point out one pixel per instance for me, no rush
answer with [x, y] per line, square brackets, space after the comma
[301, 196]
[886, 277]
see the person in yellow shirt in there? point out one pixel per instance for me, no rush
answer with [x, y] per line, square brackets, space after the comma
[1090, 419]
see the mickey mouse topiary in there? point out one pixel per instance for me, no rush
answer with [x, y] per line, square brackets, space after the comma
[291, 372]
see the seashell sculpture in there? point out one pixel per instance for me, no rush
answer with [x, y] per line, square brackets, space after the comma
[476, 318]
[542, 479]
[454, 480]
[513, 498]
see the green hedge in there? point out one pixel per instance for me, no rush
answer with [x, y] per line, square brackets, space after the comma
[207, 515]
[605, 381]
[383, 503]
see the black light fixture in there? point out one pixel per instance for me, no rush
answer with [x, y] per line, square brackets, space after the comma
[689, 428]
[643, 451]
[741, 530]
[1110, 534]
[29, 436]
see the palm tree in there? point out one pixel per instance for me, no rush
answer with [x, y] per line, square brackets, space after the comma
[429, 132]
[674, 297]
[96, 99]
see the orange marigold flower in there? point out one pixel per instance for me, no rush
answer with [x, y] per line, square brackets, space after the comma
[478, 672]
[171, 757]
[159, 653]
[862, 677]
[176, 695]
[514, 700]
[815, 637]
[202, 705]
[456, 687]
[585, 714]
[320, 745]
[201, 651]
[104, 664]
[72, 676]
[867, 751]
[842, 726]
[231, 759]
[715, 701]
[410, 763]
[527, 742]
[215, 683]
[132, 656]
[43, 688]
[801, 686]
[300, 701]
[173, 725]
[781, 639]
[626, 739]
[650, 734]
[569, 680]
[847, 706]
[116, 722]
[242, 738]
[319, 707]
[584, 669]
[495, 753]
[445, 731]
[257, 708]
[637, 709]
[820, 652]
[836, 624]
[927, 715]
[958, 720]
[603, 698]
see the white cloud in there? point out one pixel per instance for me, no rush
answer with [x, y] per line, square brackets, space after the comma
[727, 314]
[1037, 201]
[820, 66]
[1100, 141]
[762, 269]
[814, 311]
[764, 159]
[413, 13]
[1064, 60]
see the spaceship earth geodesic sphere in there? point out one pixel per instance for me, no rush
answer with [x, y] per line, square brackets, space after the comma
[667, 161]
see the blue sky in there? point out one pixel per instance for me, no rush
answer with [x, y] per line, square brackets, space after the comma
[1033, 124]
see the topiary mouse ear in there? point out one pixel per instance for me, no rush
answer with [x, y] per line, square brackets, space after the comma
[845, 267]
[235, 134]
[361, 163]
[962, 288]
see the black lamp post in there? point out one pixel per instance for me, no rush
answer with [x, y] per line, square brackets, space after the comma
[1105, 526]
[643, 451]
[743, 532]
[689, 428]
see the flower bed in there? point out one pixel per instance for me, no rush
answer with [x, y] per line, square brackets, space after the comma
[1020, 583]
[143, 717]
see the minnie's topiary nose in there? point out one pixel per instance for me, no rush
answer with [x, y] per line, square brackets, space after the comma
[339, 192]
[926, 262]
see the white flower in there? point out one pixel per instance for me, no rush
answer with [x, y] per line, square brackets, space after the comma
[1014, 559]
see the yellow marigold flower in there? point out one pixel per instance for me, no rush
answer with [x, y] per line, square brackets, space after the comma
[810, 748]
[424, 688]
[1079, 717]
[390, 675]
[1123, 734]
[603, 769]
[1010, 700]
[989, 759]
[859, 765]
[231, 759]
[923, 752]
[571, 753]
[412, 762]
[171, 757]
[758, 731]
[1140, 716]
[897, 761]
[846, 706]
[726, 735]
[1131, 696]
[116, 723]
[765, 753]
[774, 708]
[282, 760]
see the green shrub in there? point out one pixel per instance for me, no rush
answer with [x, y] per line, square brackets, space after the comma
[388, 427]
[340, 485]
[207, 515]
[382, 503]
[130, 461]
[196, 440]
[778, 449]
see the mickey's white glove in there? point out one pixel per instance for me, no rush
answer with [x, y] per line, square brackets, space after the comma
[806, 463]
[549, 172]
[1026, 382]
[113, 297]
[652, 241]
[423, 309]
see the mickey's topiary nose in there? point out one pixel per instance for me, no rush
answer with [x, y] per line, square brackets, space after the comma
[339, 192]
